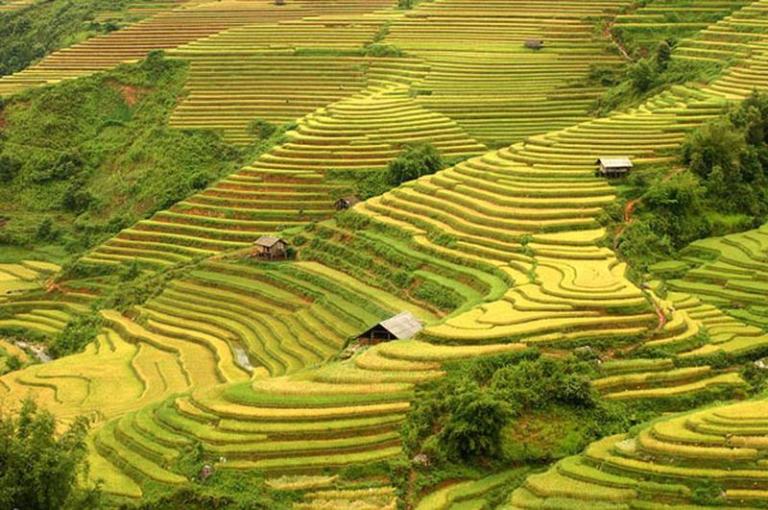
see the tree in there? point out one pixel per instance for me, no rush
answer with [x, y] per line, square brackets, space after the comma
[473, 429]
[714, 144]
[39, 470]
[261, 129]
[46, 231]
[415, 160]
[642, 75]
[79, 332]
[663, 55]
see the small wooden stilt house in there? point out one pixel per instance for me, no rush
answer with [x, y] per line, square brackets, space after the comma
[270, 247]
[613, 166]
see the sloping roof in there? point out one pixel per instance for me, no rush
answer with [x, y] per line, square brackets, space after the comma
[403, 325]
[268, 241]
[614, 162]
[351, 199]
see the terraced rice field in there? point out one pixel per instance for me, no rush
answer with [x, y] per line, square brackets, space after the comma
[288, 186]
[16, 278]
[482, 76]
[167, 29]
[677, 19]
[727, 272]
[736, 36]
[241, 357]
[557, 288]
[666, 461]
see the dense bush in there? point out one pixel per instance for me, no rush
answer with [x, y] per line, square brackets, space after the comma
[473, 428]
[224, 490]
[9, 168]
[723, 190]
[31, 33]
[383, 50]
[76, 335]
[485, 410]
[637, 80]
[413, 162]
[100, 163]
[261, 129]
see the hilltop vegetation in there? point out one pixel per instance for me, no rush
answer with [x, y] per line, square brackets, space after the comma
[721, 189]
[81, 160]
[32, 32]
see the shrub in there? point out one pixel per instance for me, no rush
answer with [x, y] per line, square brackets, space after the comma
[474, 428]
[46, 231]
[261, 129]
[78, 333]
[415, 161]
[383, 50]
[536, 384]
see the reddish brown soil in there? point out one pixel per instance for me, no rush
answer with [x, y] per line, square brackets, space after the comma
[629, 209]
[130, 94]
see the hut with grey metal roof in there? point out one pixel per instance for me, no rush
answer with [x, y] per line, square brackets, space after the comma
[400, 327]
[270, 247]
[613, 166]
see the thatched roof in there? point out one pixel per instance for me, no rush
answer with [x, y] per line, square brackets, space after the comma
[268, 241]
[402, 326]
[615, 162]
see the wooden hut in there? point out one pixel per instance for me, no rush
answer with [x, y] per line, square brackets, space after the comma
[346, 202]
[270, 247]
[400, 327]
[613, 166]
[534, 44]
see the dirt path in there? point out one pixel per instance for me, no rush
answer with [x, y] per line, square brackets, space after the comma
[629, 210]
[608, 33]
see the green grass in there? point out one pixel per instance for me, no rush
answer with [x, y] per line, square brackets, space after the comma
[92, 166]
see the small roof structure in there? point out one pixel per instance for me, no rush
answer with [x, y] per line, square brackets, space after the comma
[347, 202]
[614, 162]
[534, 44]
[268, 241]
[401, 327]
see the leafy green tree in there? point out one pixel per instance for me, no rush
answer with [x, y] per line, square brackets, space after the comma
[643, 75]
[716, 144]
[46, 231]
[261, 129]
[415, 160]
[38, 469]
[79, 332]
[473, 429]
[663, 55]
